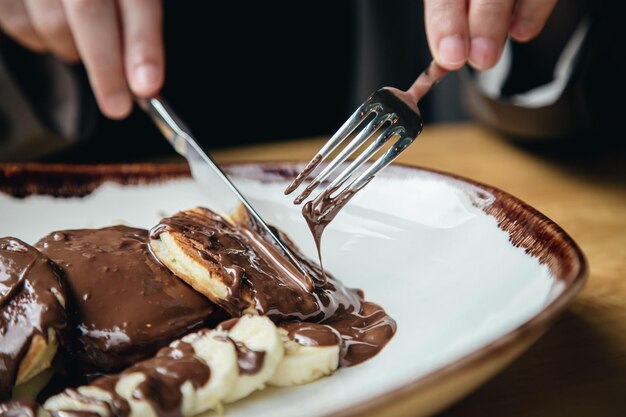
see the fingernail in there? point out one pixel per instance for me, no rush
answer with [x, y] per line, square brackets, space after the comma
[452, 50]
[117, 104]
[522, 29]
[483, 53]
[146, 75]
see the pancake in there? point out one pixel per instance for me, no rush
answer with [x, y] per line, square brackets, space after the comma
[33, 319]
[239, 270]
[232, 263]
[125, 304]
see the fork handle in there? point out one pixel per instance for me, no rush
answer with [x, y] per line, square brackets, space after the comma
[426, 80]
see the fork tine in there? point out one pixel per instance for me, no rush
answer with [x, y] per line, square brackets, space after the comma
[344, 131]
[362, 137]
[364, 157]
[388, 104]
[388, 157]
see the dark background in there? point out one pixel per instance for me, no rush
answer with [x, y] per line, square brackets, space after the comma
[255, 72]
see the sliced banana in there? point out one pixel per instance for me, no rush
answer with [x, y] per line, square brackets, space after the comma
[107, 397]
[22, 408]
[260, 350]
[221, 356]
[311, 352]
[126, 388]
[84, 399]
[241, 356]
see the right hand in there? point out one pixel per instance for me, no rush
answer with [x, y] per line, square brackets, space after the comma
[475, 31]
[119, 41]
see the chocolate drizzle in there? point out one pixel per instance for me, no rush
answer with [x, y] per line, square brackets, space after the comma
[162, 378]
[249, 361]
[32, 302]
[363, 334]
[12, 274]
[164, 375]
[320, 212]
[126, 305]
[252, 280]
[360, 335]
[362, 327]
[312, 334]
[308, 169]
[89, 402]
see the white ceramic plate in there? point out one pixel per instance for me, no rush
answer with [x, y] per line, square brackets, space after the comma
[471, 275]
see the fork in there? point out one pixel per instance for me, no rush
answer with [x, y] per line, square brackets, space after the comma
[388, 106]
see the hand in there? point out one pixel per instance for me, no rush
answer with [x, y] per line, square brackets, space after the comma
[119, 41]
[475, 31]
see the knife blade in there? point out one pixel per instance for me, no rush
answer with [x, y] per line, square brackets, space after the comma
[224, 194]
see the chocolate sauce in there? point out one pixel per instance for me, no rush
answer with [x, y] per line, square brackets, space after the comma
[362, 327]
[253, 280]
[360, 335]
[320, 212]
[89, 403]
[312, 334]
[163, 376]
[249, 361]
[304, 174]
[265, 244]
[10, 279]
[32, 302]
[307, 192]
[125, 304]
[227, 325]
[363, 334]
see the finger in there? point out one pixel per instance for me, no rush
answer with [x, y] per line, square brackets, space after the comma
[447, 32]
[489, 23]
[529, 17]
[50, 22]
[15, 21]
[143, 45]
[97, 35]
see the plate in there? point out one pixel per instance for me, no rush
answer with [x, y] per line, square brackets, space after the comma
[472, 275]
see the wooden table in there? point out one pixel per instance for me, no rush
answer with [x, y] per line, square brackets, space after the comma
[579, 367]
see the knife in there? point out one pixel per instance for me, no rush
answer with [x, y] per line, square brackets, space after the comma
[225, 196]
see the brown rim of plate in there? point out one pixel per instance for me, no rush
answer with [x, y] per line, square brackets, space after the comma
[63, 180]
[527, 228]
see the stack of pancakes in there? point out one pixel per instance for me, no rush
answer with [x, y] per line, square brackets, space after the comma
[127, 314]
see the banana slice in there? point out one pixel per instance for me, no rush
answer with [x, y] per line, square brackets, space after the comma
[311, 352]
[190, 376]
[23, 408]
[259, 349]
[221, 356]
[88, 400]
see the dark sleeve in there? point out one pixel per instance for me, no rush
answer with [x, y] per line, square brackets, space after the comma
[58, 94]
[565, 84]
